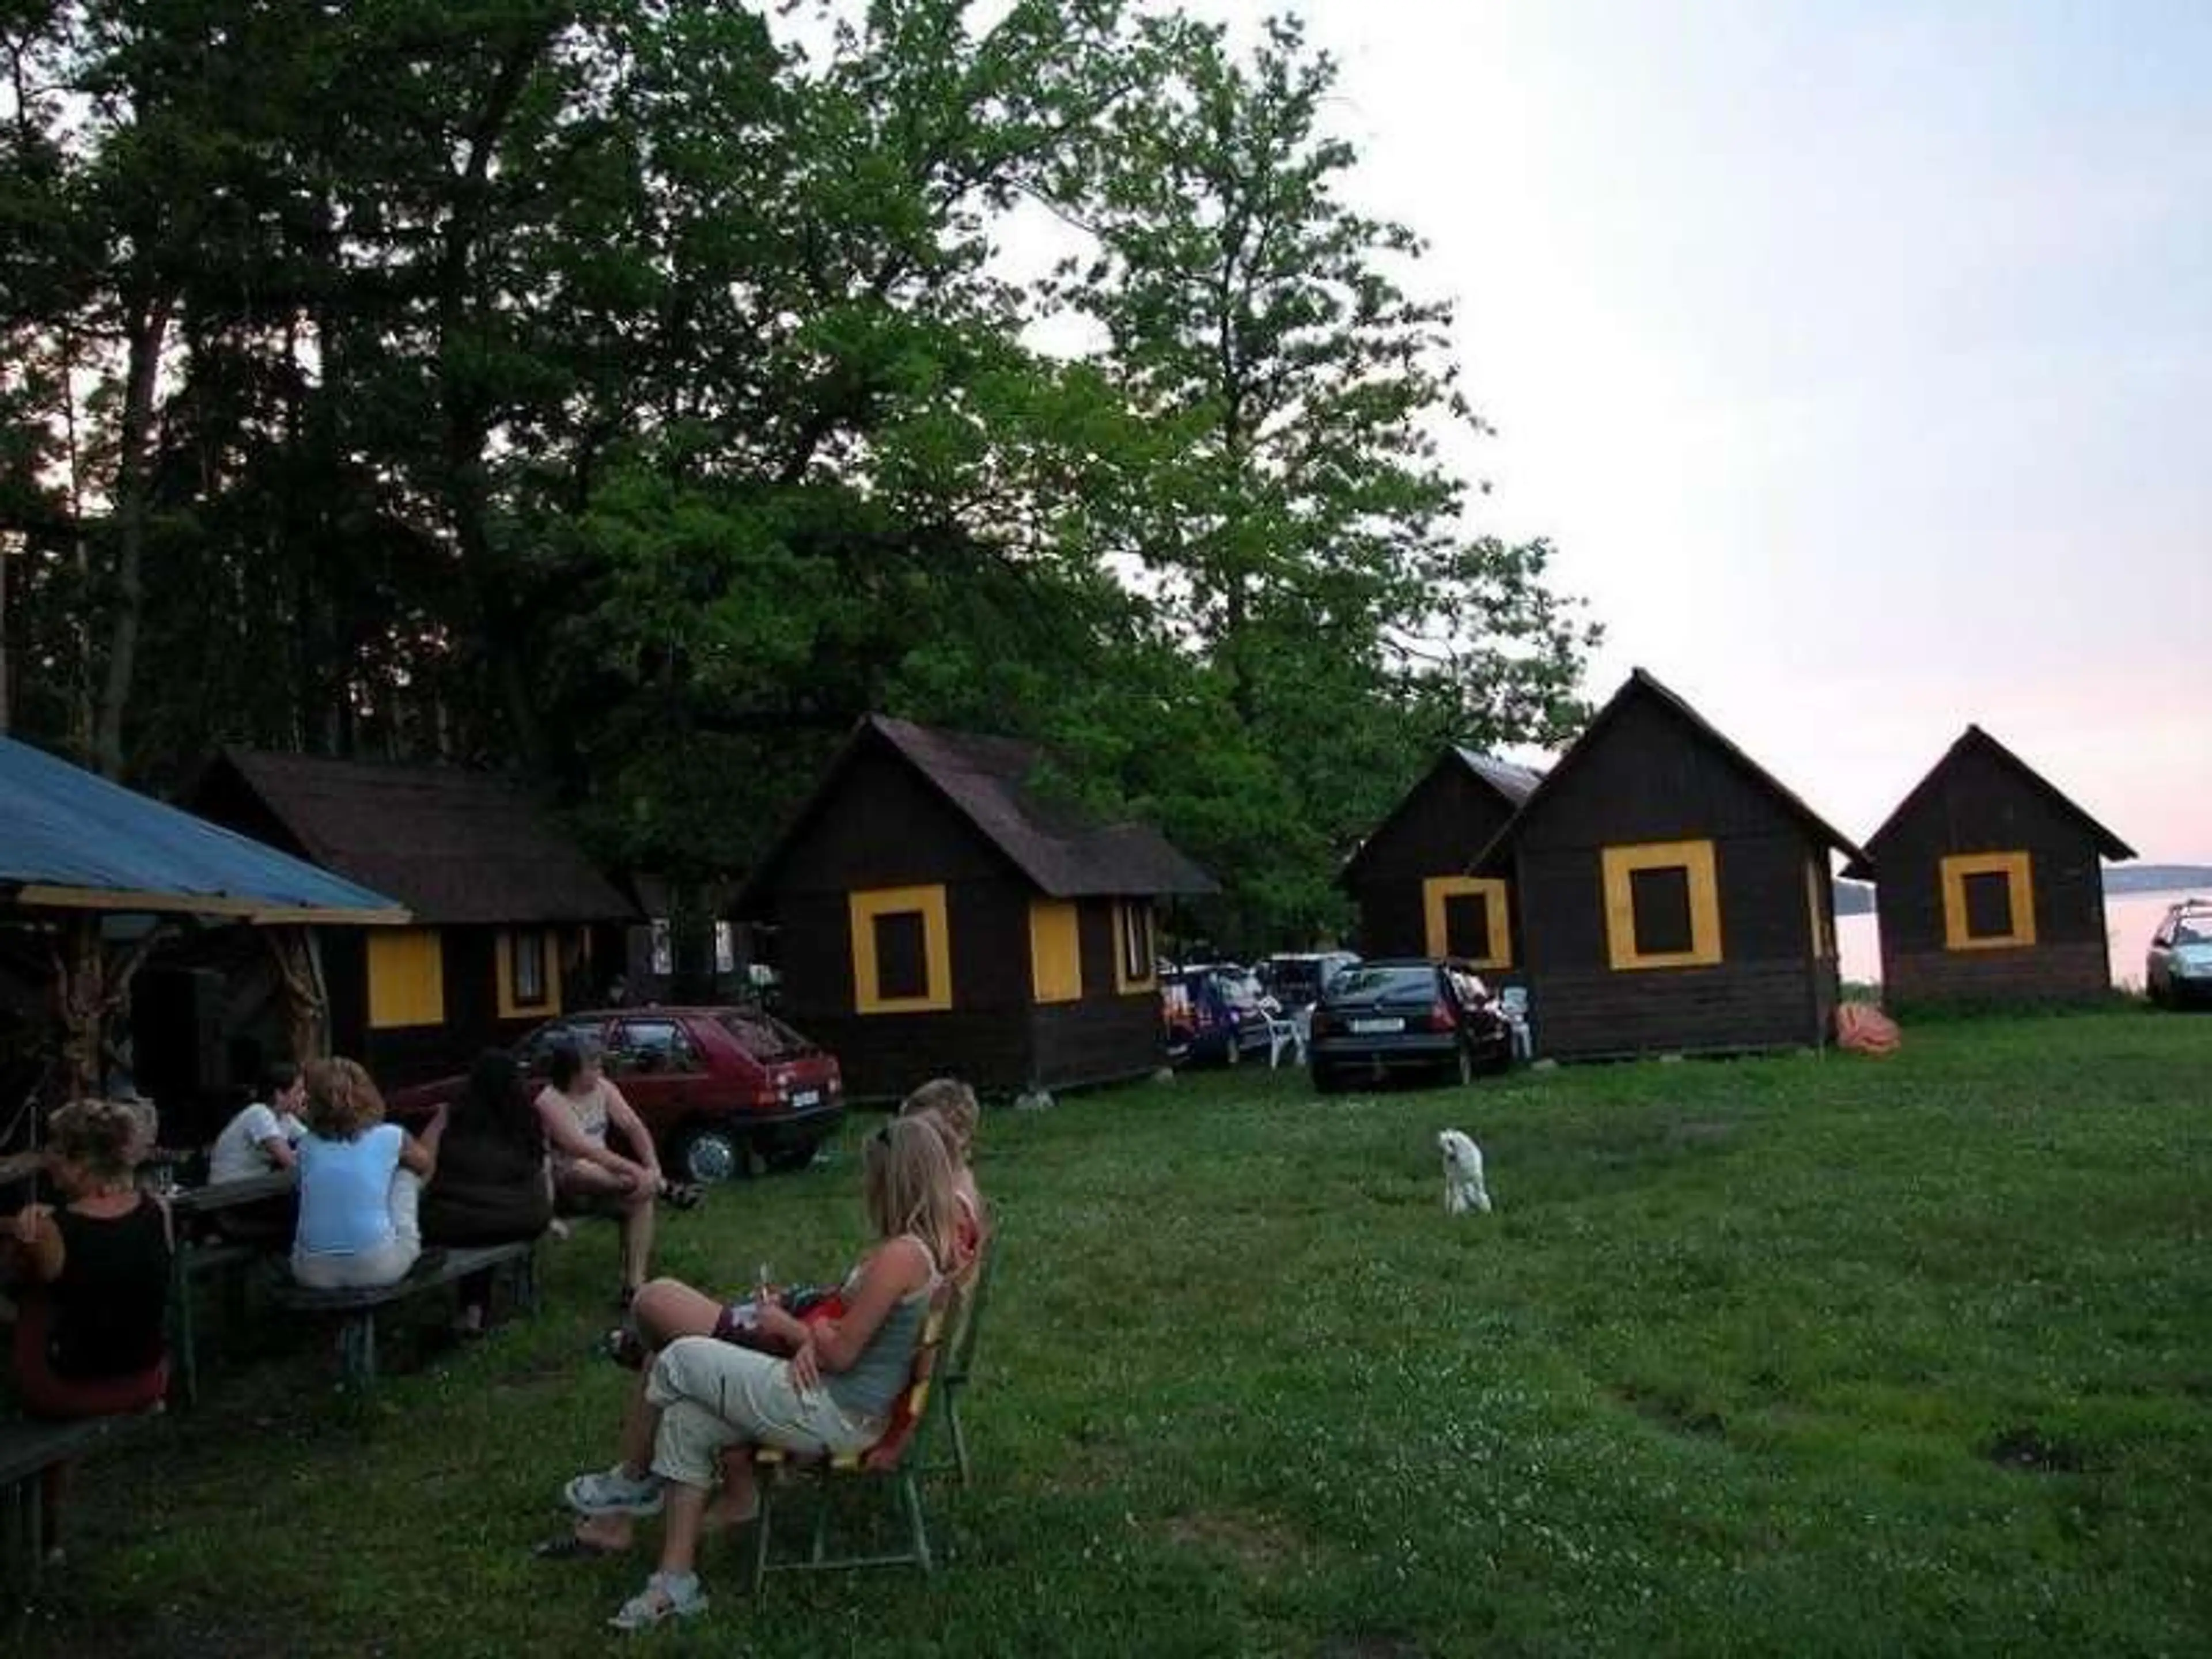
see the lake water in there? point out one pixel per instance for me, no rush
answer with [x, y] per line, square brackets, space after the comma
[2130, 920]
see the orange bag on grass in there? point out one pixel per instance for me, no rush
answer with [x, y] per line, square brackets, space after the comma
[1863, 1028]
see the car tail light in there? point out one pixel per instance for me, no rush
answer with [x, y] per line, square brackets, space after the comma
[1440, 1015]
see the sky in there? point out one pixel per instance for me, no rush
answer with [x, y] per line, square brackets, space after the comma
[1855, 355]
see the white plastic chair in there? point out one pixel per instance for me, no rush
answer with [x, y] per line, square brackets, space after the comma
[1513, 1007]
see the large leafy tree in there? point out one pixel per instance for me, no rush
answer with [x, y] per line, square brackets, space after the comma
[1300, 522]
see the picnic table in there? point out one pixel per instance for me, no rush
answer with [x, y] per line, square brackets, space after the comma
[200, 1252]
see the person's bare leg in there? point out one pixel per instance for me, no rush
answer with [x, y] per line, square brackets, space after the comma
[737, 1503]
[640, 1422]
[668, 1308]
[636, 1241]
[680, 1530]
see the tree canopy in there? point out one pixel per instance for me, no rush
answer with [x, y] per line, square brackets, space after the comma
[636, 391]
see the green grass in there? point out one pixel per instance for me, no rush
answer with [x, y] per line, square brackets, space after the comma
[1794, 1356]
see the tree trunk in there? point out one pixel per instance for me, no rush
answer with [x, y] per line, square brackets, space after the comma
[148, 333]
[306, 1003]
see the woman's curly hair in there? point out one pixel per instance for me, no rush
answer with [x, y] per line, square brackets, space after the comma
[103, 1138]
[342, 1099]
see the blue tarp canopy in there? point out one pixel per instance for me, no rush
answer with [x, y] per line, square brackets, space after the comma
[70, 839]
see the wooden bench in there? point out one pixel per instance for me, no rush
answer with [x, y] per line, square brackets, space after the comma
[28, 1449]
[356, 1309]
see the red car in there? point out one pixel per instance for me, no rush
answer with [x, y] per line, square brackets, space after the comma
[711, 1085]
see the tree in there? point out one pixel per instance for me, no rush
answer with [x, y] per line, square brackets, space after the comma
[1299, 524]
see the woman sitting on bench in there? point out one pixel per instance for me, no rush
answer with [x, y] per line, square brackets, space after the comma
[493, 1185]
[89, 1341]
[578, 1106]
[360, 1183]
[706, 1401]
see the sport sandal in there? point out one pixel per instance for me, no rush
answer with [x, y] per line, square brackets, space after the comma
[613, 1492]
[662, 1600]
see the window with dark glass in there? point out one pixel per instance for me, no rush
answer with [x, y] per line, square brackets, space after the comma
[902, 956]
[1467, 927]
[1661, 897]
[1989, 904]
[528, 956]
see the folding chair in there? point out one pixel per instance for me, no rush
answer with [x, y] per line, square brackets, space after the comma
[894, 1459]
[959, 1365]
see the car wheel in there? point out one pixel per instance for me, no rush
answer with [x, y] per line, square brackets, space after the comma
[711, 1153]
[784, 1159]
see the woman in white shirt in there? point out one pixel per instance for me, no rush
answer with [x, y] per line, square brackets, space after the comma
[260, 1139]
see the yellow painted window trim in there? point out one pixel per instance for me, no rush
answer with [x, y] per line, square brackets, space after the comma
[406, 972]
[937, 949]
[510, 1005]
[1824, 935]
[1055, 951]
[1125, 983]
[1435, 889]
[2020, 883]
[1695, 857]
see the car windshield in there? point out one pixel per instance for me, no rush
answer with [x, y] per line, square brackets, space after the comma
[2193, 930]
[763, 1035]
[535, 1053]
[1415, 981]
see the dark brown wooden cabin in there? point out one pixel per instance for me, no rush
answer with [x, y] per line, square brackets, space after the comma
[933, 914]
[1675, 898]
[1410, 878]
[509, 916]
[1989, 885]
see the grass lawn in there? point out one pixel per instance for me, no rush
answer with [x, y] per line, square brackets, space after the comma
[1794, 1357]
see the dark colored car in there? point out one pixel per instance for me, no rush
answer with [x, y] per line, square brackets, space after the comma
[1213, 1015]
[712, 1085]
[1297, 979]
[1406, 1015]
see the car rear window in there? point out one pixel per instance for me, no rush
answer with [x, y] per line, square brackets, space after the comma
[763, 1035]
[1384, 981]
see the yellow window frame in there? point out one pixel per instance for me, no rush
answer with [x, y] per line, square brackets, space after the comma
[511, 1005]
[865, 906]
[1437, 889]
[1693, 857]
[1125, 983]
[2020, 884]
[1823, 933]
[406, 968]
[1055, 951]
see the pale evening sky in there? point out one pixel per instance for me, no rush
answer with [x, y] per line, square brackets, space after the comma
[1856, 355]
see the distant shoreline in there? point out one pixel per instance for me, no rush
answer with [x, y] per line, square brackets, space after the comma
[1856, 898]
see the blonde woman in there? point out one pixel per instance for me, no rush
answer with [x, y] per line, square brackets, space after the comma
[951, 1105]
[834, 1392]
[94, 1273]
[361, 1183]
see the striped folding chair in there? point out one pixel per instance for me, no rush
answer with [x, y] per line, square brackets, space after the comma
[893, 1462]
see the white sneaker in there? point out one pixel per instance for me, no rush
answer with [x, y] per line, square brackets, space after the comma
[613, 1492]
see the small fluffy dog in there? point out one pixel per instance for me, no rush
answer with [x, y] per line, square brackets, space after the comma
[1463, 1188]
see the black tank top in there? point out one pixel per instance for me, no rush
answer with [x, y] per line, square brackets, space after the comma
[114, 1288]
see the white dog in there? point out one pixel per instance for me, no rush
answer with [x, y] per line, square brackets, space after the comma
[1463, 1188]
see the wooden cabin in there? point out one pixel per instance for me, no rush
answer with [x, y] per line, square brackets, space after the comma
[1989, 885]
[509, 916]
[1674, 898]
[1410, 877]
[934, 913]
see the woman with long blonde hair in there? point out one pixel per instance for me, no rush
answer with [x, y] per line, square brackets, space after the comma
[834, 1393]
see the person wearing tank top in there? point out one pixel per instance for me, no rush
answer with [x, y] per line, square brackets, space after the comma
[706, 1402]
[95, 1277]
[577, 1108]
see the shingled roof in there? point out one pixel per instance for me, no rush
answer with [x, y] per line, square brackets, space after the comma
[1511, 783]
[1972, 740]
[1062, 851]
[1641, 683]
[457, 847]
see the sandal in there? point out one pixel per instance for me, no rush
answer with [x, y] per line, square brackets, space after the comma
[683, 1195]
[658, 1603]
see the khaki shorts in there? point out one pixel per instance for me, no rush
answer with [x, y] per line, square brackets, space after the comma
[713, 1395]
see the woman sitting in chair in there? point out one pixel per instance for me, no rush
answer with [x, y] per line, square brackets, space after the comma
[835, 1393]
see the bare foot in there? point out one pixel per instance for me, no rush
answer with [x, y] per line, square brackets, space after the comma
[608, 1532]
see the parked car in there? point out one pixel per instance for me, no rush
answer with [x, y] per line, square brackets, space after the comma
[2178, 969]
[1296, 979]
[1406, 1015]
[713, 1085]
[1214, 1014]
